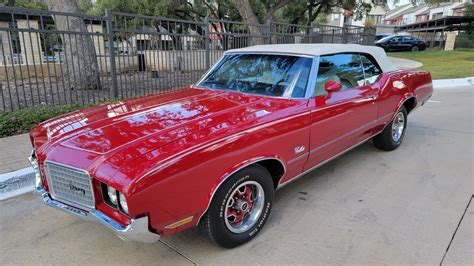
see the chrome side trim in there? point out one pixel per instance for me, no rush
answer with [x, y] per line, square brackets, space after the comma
[235, 171]
[351, 132]
[298, 157]
[137, 230]
[310, 86]
[280, 185]
[343, 136]
[340, 153]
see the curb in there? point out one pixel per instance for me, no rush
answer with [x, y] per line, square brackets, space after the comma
[452, 83]
[17, 182]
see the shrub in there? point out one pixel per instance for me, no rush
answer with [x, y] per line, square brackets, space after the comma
[22, 121]
[464, 40]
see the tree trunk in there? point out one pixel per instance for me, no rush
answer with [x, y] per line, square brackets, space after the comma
[245, 10]
[79, 51]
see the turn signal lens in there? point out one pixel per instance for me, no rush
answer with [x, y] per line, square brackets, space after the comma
[112, 193]
[123, 203]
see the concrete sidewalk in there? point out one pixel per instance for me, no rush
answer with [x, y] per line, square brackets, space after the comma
[14, 152]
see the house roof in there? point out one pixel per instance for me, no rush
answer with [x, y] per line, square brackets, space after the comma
[396, 11]
[317, 49]
[450, 23]
[423, 13]
[414, 9]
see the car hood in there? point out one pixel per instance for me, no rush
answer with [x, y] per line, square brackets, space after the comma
[104, 139]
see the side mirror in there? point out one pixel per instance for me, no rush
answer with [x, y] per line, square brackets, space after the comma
[332, 86]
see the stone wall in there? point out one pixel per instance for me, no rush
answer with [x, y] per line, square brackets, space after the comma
[186, 60]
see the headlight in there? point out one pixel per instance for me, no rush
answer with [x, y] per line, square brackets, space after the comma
[112, 193]
[114, 198]
[123, 203]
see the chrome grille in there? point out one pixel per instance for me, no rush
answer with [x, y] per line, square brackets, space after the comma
[69, 184]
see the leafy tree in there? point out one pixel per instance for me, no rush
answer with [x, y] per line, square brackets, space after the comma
[181, 9]
[85, 6]
[301, 11]
[468, 10]
[305, 12]
[31, 4]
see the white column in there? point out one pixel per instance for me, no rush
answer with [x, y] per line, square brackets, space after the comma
[5, 53]
[97, 39]
[30, 42]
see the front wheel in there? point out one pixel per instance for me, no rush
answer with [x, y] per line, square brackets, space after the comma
[391, 137]
[415, 49]
[239, 208]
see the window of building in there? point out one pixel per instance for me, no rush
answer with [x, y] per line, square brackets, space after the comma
[377, 19]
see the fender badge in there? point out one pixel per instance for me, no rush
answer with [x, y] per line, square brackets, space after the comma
[299, 149]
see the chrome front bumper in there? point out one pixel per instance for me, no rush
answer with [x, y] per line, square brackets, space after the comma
[137, 230]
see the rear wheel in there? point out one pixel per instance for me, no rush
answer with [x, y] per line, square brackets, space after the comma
[239, 208]
[391, 137]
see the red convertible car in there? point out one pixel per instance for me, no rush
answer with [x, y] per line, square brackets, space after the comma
[213, 154]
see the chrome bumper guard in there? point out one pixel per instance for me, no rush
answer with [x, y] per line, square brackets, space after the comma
[137, 230]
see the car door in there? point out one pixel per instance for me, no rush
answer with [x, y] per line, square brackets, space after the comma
[394, 44]
[343, 118]
[407, 43]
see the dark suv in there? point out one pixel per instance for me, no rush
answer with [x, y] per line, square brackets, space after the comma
[401, 43]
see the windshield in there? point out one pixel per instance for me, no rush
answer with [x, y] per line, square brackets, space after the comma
[272, 75]
[384, 39]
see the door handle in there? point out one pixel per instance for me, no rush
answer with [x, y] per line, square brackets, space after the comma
[372, 97]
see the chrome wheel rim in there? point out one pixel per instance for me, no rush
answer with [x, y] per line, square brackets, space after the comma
[398, 125]
[244, 207]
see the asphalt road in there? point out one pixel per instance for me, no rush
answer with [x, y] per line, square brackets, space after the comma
[367, 206]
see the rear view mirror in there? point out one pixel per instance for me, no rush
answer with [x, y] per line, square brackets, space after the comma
[332, 86]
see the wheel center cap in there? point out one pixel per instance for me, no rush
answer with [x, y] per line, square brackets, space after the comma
[241, 205]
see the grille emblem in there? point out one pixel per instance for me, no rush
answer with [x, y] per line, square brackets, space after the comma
[77, 189]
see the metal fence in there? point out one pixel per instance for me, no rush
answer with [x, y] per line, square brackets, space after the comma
[56, 58]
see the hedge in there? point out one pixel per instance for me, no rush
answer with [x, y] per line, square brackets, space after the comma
[22, 121]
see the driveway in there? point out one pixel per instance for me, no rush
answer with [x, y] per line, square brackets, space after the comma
[367, 206]
[405, 64]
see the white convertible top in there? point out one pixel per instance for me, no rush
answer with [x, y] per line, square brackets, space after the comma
[317, 49]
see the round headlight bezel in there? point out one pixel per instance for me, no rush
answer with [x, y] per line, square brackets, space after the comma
[123, 203]
[112, 195]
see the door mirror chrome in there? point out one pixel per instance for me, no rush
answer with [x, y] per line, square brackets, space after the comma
[332, 86]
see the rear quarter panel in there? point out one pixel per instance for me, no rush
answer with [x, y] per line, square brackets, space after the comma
[399, 86]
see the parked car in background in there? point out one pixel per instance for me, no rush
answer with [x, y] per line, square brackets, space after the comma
[213, 154]
[401, 43]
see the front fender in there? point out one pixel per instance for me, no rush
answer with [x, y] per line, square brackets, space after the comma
[236, 168]
[183, 186]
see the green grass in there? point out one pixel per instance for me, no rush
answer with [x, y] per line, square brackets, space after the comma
[443, 64]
